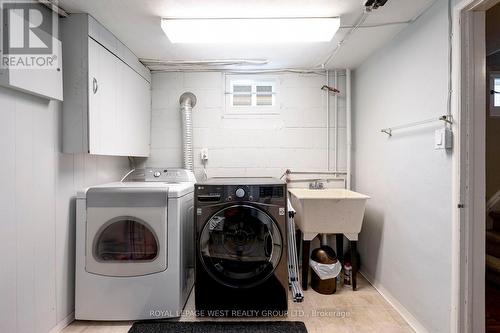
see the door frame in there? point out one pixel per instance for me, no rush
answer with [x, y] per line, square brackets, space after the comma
[468, 59]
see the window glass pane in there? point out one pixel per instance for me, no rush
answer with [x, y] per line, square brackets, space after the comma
[237, 89]
[126, 240]
[242, 100]
[264, 95]
[265, 89]
[263, 100]
[496, 87]
[242, 95]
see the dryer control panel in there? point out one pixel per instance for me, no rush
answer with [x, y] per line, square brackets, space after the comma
[165, 175]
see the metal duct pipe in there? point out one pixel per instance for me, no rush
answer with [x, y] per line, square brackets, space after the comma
[187, 102]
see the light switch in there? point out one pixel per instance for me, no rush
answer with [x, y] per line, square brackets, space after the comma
[443, 138]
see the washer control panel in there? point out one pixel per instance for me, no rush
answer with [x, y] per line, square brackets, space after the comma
[240, 193]
[232, 193]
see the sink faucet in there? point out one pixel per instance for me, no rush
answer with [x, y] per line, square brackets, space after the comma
[316, 185]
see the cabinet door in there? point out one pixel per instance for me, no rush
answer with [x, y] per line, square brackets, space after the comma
[142, 114]
[119, 106]
[134, 112]
[46, 83]
[104, 131]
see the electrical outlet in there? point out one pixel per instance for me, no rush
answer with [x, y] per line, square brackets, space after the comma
[443, 138]
[204, 154]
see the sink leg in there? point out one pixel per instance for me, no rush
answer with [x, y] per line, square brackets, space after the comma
[298, 241]
[306, 245]
[339, 242]
[355, 264]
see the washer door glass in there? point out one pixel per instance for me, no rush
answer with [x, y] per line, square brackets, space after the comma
[126, 239]
[240, 246]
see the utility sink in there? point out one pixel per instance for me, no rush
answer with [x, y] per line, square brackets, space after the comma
[328, 211]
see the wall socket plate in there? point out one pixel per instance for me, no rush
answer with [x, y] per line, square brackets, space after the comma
[204, 154]
[443, 138]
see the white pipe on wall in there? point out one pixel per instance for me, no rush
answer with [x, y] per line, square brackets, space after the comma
[348, 125]
[336, 78]
[327, 122]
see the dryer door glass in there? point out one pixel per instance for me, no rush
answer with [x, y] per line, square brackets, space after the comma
[240, 246]
[125, 239]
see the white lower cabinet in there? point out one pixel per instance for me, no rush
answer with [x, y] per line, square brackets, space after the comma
[113, 116]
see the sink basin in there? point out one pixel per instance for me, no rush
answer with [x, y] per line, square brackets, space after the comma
[328, 211]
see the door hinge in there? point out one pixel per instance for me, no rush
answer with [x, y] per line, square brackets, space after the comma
[461, 205]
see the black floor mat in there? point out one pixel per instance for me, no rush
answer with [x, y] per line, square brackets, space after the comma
[219, 327]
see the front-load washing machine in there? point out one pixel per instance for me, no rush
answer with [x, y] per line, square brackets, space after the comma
[134, 247]
[241, 256]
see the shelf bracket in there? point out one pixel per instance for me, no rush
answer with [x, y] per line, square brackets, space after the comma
[387, 131]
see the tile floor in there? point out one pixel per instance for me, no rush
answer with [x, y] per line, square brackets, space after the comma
[364, 310]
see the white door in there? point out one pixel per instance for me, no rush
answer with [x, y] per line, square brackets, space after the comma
[103, 128]
[126, 231]
[133, 112]
[119, 106]
[94, 98]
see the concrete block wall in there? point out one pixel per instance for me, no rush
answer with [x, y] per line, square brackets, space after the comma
[243, 144]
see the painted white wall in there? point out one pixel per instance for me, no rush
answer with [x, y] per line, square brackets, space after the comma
[37, 212]
[248, 145]
[405, 243]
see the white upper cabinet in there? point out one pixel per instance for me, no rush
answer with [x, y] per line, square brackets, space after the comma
[107, 105]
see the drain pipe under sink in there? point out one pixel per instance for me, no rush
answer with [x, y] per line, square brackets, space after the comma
[187, 102]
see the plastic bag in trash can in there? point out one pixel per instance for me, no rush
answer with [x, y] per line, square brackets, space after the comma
[326, 271]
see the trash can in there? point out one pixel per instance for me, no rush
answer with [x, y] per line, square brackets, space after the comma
[325, 268]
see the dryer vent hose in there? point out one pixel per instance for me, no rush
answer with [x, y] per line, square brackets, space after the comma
[187, 102]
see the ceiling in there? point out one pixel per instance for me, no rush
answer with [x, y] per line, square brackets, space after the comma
[137, 24]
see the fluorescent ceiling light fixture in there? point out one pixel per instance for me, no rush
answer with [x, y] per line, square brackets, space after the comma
[250, 30]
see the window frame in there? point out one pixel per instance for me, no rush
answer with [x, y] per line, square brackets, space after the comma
[253, 81]
[494, 110]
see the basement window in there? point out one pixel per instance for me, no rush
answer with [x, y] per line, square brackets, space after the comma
[255, 95]
[252, 93]
[495, 94]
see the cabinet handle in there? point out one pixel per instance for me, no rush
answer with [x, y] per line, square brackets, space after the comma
[95, 86]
